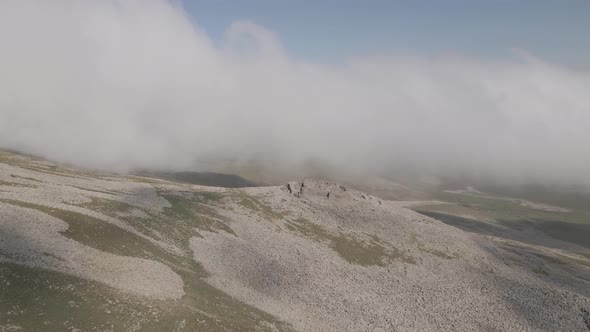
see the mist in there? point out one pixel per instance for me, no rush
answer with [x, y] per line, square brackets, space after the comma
[137, 84]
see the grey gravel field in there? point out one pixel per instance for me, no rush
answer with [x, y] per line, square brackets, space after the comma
[89, 251]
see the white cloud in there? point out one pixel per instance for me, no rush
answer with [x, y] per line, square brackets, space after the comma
[137, 84]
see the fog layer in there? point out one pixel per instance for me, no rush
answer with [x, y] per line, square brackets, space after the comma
[128, 84]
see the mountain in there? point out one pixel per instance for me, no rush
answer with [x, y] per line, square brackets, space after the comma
[92, 251]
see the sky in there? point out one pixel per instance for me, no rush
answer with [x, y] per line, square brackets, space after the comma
[500, 90]
[332, 31]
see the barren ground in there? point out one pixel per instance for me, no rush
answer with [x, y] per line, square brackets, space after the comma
[90, 251]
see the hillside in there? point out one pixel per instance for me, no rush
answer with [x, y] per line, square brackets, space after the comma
[91, 251]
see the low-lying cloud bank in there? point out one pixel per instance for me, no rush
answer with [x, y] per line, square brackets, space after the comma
[128, 84]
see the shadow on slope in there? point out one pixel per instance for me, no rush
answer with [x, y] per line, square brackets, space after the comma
[537, 306]
[527, 244]
[520, 230]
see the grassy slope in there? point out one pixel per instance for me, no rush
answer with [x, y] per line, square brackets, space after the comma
[571, 226]
[33, 298]
[46, 298]
[511, 224]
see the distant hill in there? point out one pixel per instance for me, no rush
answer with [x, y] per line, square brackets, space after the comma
[211, 179]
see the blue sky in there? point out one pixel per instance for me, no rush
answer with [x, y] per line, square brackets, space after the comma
[334, 30]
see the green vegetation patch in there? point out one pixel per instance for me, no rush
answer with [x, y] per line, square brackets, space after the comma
[373, 252]
[14, 184]
[100, 234]
[39, 298]
[97, 191]
[10, 158]
[177, 223]
[569, 232]
[249, 203]
[25, 178]
[205, 197]
[194, 213]
[500, 217]
[257, 205]
[309, 229]
[107, 206]
[565, 231]
[142, 179]
[438, 253]
[352, 248]
[121, 211]
[490, 208]
[51, 171]
[38, 165]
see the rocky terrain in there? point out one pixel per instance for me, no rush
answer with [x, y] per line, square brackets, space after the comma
[90, 251]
